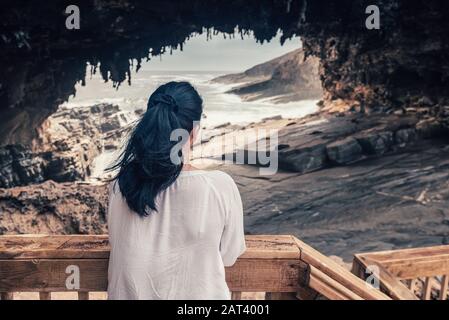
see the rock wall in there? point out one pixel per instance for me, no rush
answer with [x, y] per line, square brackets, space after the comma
[404, 63]
[54, 208]
[66, 148]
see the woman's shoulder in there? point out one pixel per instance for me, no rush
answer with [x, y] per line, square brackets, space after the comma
[217, 178]
[113, 188]
[223, 181]
[221, 175]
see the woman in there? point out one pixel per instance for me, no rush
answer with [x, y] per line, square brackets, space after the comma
[172, 228]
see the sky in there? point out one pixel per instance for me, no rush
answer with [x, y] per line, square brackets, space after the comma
[219, 54]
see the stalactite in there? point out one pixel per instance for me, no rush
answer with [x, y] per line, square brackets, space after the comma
[404, 59]
[302, 15]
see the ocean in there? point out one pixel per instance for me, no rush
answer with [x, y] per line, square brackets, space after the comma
[219, 107]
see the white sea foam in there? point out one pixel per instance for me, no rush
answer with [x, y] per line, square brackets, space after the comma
[219, 106]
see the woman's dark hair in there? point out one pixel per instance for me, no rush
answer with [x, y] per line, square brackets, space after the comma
[145, 166]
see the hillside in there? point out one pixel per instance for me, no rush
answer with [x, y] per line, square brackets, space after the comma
[283, 79]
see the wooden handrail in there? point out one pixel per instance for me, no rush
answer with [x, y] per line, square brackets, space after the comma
[389, 284]
[336, 272]
[282, 266]
[39, 263]
[429, 266]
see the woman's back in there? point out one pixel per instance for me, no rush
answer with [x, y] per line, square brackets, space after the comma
[180, 251]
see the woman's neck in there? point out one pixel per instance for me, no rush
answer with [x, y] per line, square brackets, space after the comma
[189, 167]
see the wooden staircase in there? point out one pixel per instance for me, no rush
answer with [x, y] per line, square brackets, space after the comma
[410, 273]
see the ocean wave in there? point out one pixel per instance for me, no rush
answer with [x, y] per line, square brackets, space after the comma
[219, 106]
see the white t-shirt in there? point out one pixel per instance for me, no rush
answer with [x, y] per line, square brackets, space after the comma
[180, 251]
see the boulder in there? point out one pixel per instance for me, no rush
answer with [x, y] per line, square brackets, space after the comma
[426, 101]
[430, 128]
[54, 208]
[109, 109]
[70, 141]
[444, 112]
[65, 168]
[375, 143]
[405, 136]
[110, 125]
[303, 160]
[344, 151]
[223, 125]
[274, 118]
[19, 166]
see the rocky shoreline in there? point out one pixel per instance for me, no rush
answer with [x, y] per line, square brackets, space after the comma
[54, 208]
[70, 140]
[348, 182]
[291, 77]
[344, 139]
[399, 200]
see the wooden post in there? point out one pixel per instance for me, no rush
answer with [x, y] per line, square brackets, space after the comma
[306, 293]
[280, 296]
[358, 269]
[411, 284]
[444, 287]
[427, 290]
[83, 295]
[236, 295]
[45, 295]
[7, 295]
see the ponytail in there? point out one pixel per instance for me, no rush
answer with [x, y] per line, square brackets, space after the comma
[145, 166]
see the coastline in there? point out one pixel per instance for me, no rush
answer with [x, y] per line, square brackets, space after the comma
[400, 173]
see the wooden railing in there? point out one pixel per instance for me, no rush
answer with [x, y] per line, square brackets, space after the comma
[282, 267]
[409, 274]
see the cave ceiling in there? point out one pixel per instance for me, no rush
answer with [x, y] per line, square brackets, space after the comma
[42, 61]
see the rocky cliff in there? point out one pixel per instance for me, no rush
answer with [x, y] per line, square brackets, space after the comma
[54, 208]
[67, 145]
[404, 63]
[290, 77]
